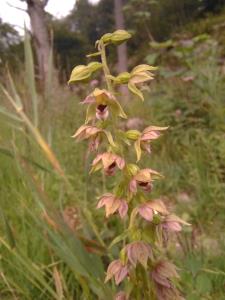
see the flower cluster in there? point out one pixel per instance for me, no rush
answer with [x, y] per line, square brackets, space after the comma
[131, 199]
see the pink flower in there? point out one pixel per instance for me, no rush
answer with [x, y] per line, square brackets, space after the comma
[143, 179]
[143, 142]
[95, 134]
[138, 252]
[173, 223]
[147, 210]
[118, 270]
[113, 204]
[85, 132]
[121, 296]
[108, 161]
[162, 275]
[100, 101]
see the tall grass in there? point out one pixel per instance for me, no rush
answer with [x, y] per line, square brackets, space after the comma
[35, 241]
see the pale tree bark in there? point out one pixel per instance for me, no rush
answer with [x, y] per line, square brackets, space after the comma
[37, 14]
[122, 49]
[122, 63]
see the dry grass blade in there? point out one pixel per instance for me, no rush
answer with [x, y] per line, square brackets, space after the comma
[58, 283]
[37, 135]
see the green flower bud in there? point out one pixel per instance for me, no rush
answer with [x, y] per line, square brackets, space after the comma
[123, 256]
[106, 38]
[82, 72]
[156, 219]
[120, 36]
[122, 78]
[132, 169]
[133, 134]
[94, 66]
[117, 37]
[79, 73]
[135, 234]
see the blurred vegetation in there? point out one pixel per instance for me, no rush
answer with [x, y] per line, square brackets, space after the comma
[47, 252]
[157, 20]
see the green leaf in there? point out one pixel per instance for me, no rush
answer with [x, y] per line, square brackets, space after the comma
[152, 58]
[203, 284]
[193, 264]
[30, 76]
[163, 45]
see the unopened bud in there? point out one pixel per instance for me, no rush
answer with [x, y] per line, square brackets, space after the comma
[106, 38]
[123, 256]
[132, 169]
[117, 37]
[122, 78]
[82, 72]
[133, 134]
[120, 36]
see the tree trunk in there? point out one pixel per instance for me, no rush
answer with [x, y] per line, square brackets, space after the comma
[35, 9]
[122, 49]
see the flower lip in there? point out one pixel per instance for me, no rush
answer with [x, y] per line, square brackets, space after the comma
[146, 186]
[102, 112]
[102, 107]
[113, 165]
[111, 169]
[143, 178]
[109, 162]
[143, 183]
[100, 103]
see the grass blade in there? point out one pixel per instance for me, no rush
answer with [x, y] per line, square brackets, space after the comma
[30, 76]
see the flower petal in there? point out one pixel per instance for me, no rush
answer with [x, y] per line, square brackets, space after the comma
[123, 208]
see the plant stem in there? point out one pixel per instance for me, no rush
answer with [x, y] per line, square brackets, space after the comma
[105, 66]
